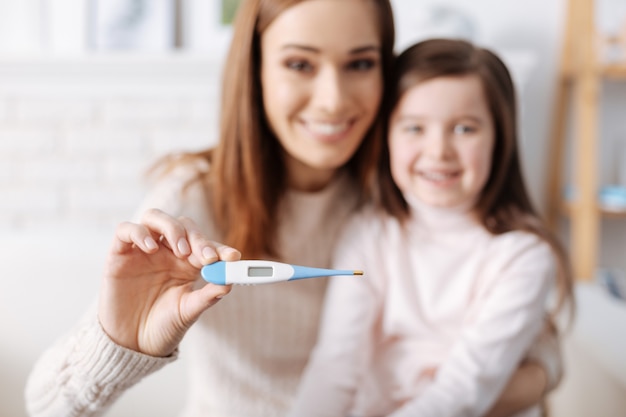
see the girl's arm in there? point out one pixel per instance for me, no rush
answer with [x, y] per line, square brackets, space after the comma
[492, 347]
[538, 374]
[351, 305]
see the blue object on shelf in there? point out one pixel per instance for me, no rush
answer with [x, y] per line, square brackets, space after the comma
[610, 197]
[613, 197]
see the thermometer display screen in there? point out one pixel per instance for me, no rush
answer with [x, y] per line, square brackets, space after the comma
[260, 271]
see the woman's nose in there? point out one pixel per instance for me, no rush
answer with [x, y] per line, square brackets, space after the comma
[331, 91]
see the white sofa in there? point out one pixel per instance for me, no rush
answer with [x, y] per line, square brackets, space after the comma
[595, 358]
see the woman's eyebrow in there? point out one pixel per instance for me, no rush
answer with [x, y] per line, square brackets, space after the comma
[363, 49]
[355, 51]
[300, 47]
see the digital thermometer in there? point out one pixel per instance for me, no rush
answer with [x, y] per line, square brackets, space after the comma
[263, 272]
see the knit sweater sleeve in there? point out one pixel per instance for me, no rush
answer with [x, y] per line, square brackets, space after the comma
[483, 359]
[83, 373]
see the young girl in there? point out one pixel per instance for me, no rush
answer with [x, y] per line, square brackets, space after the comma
[457, 274]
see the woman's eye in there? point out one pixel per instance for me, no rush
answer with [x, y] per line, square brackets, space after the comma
[362, 64]
[300, 66]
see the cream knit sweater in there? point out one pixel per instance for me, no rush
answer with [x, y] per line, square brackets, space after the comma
[245, 354]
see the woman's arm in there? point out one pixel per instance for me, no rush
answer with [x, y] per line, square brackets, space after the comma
[526, 388]
[149, 299]
[539, 374]
[85, 372]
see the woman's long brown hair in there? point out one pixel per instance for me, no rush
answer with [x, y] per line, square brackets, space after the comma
[504, 204]
[247, 175]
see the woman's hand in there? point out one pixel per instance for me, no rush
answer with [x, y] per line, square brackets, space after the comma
[150, 292]
[526, 388]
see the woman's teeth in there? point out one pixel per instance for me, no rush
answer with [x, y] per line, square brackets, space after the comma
[328, 128]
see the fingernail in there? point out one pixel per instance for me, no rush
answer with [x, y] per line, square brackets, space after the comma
[229, 251]
[208, 253]
[183, 246]
[150, 243]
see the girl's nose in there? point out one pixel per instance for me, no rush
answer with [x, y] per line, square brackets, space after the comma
[438, 144]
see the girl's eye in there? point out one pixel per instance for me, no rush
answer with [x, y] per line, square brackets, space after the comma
[299, 65]
[413, 129]
[362, 64]
[461, 129]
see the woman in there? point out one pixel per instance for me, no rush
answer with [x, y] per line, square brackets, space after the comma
[299, 138]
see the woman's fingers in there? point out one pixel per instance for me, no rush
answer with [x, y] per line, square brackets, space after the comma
[129, 234]
[182, 236]
[201, 299]
[227, 253]
[173, 232]
[429, 372]
[204, 250]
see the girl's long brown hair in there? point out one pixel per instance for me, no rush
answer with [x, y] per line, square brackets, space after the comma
[247, 175]
[504, 204]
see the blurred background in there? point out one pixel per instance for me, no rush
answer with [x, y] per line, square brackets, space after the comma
[93, 91]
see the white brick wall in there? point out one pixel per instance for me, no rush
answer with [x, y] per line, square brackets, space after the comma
[76, 135]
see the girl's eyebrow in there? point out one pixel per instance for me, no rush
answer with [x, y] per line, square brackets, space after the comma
[412, 117]
[473, 118]
[418, 117]
[355, 51]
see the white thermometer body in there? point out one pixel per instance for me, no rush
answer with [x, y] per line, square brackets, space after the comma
[263, 272]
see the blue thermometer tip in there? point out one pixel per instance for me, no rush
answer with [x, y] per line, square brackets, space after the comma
[214, 273]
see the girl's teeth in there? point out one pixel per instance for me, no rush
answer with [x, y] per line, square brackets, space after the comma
[436, 176]
[328, 128]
